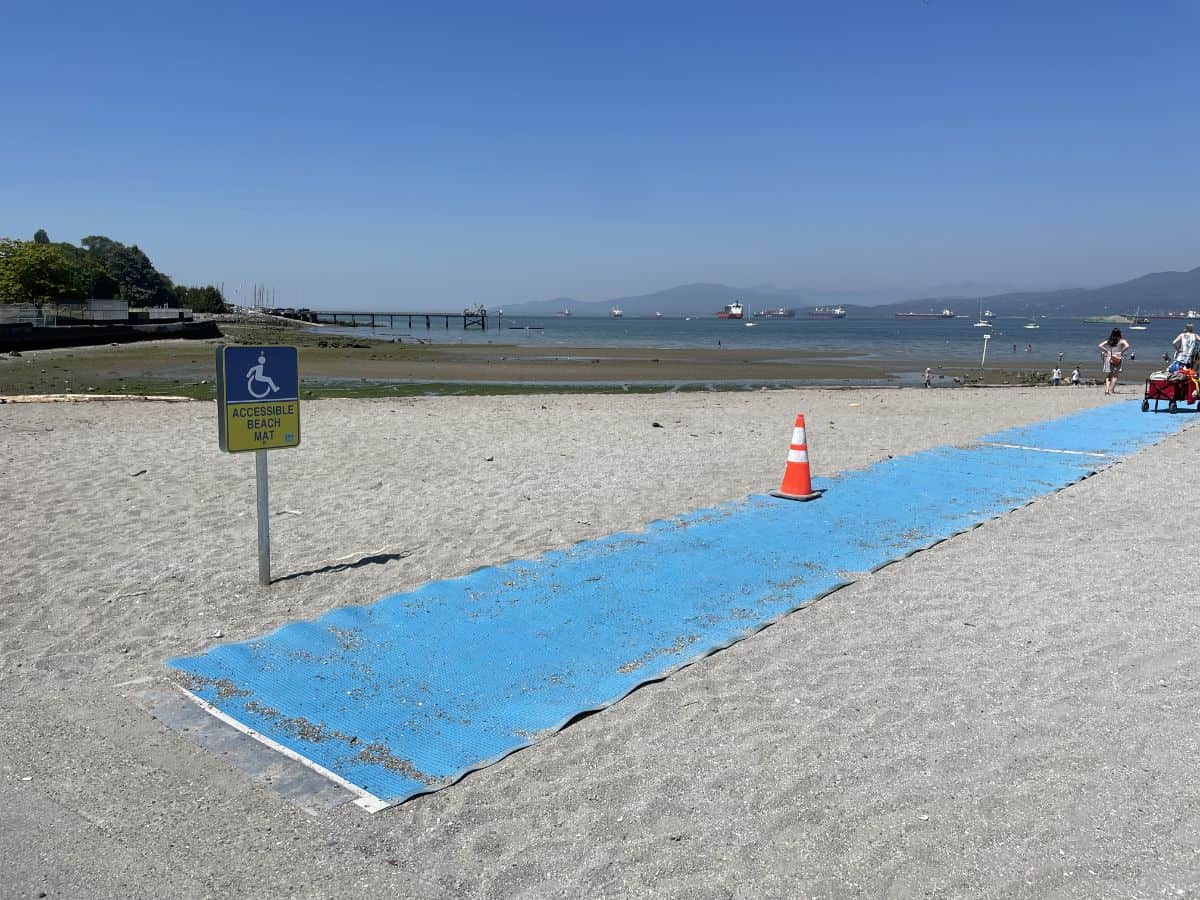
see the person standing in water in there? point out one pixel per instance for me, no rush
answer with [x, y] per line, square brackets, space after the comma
[1112, 352]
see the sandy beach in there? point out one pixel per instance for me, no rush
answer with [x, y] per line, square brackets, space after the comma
[1011, 713]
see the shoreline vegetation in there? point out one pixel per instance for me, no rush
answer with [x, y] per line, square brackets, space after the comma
[337, 365]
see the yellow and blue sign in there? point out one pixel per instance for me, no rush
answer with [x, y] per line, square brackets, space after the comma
[258, 398]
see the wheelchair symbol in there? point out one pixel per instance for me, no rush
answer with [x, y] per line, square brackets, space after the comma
[255, 375]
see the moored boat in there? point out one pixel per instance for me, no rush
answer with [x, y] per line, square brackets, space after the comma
[731, 311]
[827, 312]
[617, 312]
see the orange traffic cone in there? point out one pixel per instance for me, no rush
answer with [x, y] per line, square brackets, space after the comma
[797, 482]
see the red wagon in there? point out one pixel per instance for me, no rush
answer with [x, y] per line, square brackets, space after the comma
[1172, 391]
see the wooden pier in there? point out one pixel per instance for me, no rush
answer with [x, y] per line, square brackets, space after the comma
[470, 318]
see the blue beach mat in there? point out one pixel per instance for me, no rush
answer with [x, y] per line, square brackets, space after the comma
[408, 694]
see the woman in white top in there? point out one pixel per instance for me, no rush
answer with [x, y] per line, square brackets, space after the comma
[1112, 352]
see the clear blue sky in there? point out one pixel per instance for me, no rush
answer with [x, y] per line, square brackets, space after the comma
[382, 156]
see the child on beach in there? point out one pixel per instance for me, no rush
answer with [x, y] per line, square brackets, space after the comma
[1075, 376]
[928, 377]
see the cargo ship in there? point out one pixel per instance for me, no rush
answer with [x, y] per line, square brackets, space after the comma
[827, 312]
[778, 313]
[1136, 319]
[944, 314]
[731, 311]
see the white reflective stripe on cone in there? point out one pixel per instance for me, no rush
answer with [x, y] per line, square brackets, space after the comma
[798, 436]
[797, 456]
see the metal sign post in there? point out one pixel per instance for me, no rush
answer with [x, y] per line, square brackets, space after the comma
[258, 408]
[983, 360]
[264, 518]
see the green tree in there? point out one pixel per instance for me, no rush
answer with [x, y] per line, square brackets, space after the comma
[40, 236]
[140, 283]
[10, 287]
[98, 284]
[39, 273]
[206, 299]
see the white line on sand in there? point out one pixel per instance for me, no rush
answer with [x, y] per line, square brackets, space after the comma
[366, 800]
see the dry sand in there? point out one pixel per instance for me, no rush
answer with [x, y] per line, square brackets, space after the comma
[1011, 713]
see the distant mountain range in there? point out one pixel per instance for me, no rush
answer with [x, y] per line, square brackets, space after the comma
[1153, 294]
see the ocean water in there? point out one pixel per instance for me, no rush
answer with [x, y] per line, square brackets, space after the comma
[866, 339]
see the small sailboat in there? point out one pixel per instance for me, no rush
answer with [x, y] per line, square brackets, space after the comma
[1139, 324]
[1032, 325]
[984, 318]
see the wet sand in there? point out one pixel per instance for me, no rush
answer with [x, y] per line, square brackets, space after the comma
[336, 365]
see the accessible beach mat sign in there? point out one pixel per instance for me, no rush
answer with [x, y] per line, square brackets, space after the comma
[258, 398]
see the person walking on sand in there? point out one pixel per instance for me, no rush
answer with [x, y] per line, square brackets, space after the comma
[1056, 376]
[928, 377]
[1112, 352]
[1075, 377]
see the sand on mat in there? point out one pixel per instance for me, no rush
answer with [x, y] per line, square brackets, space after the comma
[1010, 713]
